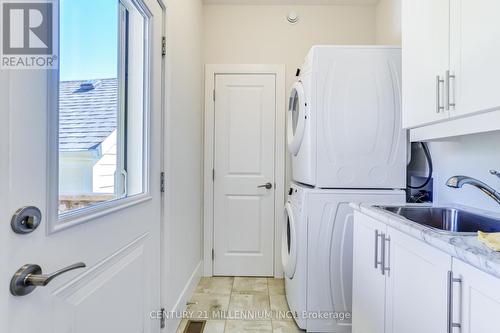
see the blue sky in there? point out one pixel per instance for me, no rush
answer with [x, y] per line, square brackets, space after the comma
[88, 39]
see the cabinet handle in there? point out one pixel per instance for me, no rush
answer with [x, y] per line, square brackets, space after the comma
[439, 82]
[451, 324]
[387, 240]
[449, 77]
[377, 262]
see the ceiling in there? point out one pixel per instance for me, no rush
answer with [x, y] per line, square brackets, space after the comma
[292, 2]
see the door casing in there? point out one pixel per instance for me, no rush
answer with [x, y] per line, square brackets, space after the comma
[208, 165]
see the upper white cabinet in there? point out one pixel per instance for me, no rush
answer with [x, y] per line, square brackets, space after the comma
[474, 55]
[426, 51]
[450, 65]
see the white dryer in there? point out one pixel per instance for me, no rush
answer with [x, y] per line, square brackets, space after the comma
[344, 119]
[320, 290]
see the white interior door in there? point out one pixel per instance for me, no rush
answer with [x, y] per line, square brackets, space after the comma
[244, 185]
[116, 232]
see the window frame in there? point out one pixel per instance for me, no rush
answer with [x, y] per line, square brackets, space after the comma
[56, 221]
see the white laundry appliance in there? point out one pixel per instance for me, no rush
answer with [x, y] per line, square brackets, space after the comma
[317, 253]
[294, 253]
[347, 145]
[344, 119]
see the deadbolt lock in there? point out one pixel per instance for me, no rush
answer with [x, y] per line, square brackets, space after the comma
[26, 219]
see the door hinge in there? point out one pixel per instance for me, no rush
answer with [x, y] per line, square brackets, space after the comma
[213, 95]
[163, 46]
[162, 182]
[213, 174]
[162, 319]
[213, 254]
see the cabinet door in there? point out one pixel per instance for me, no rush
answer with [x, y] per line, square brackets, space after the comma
[425, 25]
[416, 285]
[480, 299]
[475, 54]
[368, 303]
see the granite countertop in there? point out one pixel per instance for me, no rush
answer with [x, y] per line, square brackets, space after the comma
[466, 248]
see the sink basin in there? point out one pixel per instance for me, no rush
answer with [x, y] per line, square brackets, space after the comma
[449, 220]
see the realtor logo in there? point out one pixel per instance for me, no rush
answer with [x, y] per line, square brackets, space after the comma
[29, 34]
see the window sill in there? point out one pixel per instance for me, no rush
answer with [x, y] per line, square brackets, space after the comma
[71, 219]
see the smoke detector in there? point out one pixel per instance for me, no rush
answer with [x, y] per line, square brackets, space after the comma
[292, 17]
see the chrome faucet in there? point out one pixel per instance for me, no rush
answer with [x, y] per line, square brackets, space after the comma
[459, 181]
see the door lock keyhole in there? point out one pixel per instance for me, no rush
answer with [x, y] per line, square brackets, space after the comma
[26, 220]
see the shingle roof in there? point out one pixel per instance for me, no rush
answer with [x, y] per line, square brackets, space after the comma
[86, 117]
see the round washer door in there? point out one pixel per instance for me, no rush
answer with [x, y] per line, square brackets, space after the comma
[296, 118]
[289, 242]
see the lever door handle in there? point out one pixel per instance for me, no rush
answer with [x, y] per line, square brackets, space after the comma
[30, 276]
[267, 186]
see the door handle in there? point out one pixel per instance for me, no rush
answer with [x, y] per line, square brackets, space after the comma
[30, 276]
[267, 186]
[386, 251]
[439, 83]
[449, 103]
[451, 324]
[377, 262]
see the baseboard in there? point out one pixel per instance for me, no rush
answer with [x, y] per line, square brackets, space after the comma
[181, 304]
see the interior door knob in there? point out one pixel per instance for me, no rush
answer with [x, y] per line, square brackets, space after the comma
[28, 277]
[267, 186]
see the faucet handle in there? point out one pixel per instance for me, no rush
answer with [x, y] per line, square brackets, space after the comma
[495, 173]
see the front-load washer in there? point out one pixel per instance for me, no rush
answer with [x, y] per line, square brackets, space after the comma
[348, 122]
[325, 254]
[294, 254]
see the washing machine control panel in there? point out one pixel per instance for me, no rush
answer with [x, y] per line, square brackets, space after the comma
[296, 195]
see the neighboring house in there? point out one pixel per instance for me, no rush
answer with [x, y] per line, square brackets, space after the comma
[87, 139]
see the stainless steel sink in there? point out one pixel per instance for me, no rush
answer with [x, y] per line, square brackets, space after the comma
[448, 220]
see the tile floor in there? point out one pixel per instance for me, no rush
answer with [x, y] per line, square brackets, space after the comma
[234, 305]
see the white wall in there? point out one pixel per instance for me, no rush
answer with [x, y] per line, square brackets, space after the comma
[261, 34]
[183, 163]
[388, 22]
[75, 172]
[472, 155]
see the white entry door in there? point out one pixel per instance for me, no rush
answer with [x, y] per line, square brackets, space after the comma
[83, 145]
[244, 184]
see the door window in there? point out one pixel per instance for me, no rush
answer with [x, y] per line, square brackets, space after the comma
[294, 109]
[101, 104]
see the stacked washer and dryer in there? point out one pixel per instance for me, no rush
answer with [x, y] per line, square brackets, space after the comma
[347, 145]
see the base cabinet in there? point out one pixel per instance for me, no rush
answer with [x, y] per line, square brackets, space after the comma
[403, 285]
[394, 277]
[416, 289]
[368, 299]
[477, 300]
